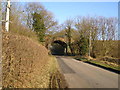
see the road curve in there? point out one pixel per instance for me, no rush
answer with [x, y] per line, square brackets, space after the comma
[82, 75]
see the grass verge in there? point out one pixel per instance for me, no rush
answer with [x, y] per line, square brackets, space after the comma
[100, 64]
[57, 80]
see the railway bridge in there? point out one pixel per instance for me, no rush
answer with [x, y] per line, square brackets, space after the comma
[57, 45]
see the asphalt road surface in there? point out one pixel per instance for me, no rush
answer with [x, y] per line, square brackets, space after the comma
[82, 75]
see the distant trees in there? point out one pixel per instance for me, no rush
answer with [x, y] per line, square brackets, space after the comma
[68, 26]
[39, 20]
[30, 9]
[99, 34]
[16, 17]
[101, 31]
[30, 17]
[107, 32]
[82, 45]
[38, 26]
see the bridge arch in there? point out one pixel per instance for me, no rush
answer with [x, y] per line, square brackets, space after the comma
[58, 47]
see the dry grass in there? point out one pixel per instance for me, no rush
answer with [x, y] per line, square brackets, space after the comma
[25, 32]
[110, 60]
[26, 63]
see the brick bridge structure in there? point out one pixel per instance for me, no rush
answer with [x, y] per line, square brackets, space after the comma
[57, 45]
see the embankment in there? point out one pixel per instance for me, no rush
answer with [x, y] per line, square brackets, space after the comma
[26, 64]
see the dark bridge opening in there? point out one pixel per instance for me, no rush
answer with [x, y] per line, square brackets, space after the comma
[58, 47]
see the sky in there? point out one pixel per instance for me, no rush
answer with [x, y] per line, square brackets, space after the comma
[62, 0]
[66, 10]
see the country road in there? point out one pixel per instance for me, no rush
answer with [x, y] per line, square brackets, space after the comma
[82, 75]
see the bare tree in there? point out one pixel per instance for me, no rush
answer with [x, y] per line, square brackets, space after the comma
[47, 16]
[68, 26]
